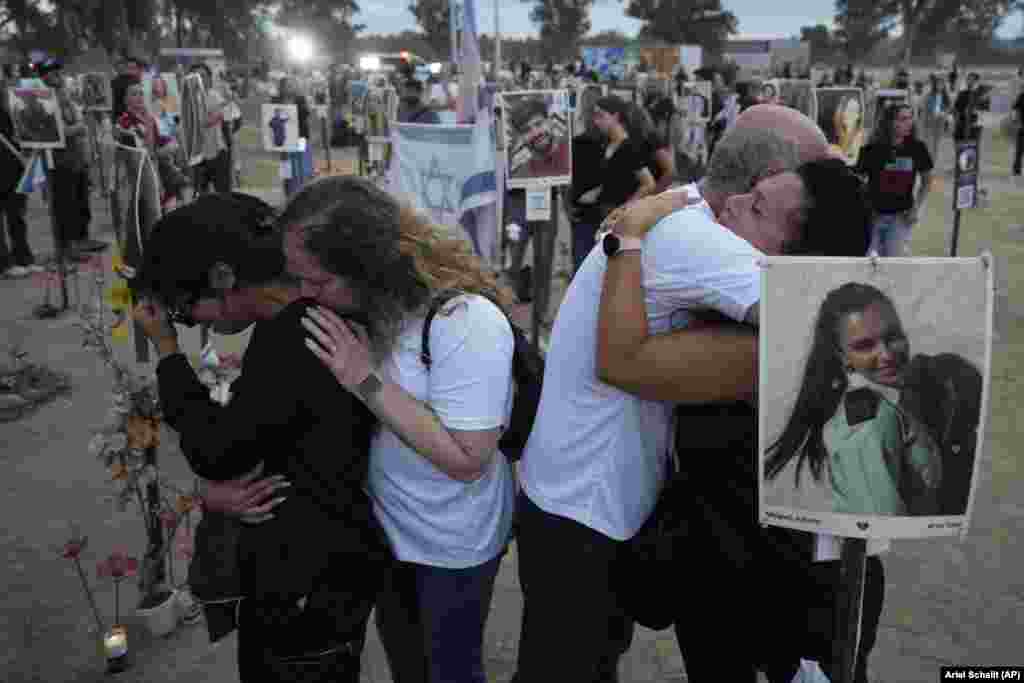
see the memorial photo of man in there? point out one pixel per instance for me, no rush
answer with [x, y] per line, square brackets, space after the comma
[539, 139]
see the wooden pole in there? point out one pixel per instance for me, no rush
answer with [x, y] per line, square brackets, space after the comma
[847, 615]
[55, 227]
[545, 234]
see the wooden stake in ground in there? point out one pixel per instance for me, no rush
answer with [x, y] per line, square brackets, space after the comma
[849, 602]
[55, 227]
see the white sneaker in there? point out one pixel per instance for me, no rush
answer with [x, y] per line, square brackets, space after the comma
[16, 271]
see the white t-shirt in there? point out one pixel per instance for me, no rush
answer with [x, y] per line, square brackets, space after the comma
[429, 517]
[213, 136]
[597, 454]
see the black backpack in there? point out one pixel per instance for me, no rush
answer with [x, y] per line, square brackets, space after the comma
[527, 373]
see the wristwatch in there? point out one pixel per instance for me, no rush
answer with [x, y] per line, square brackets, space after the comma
[369, 386]
[615, 244]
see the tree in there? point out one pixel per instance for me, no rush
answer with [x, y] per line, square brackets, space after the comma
[689, 22]
[821, 40]
[925, 24]
[330, 21]
[861, 25]
[434, 18]
[562, 24]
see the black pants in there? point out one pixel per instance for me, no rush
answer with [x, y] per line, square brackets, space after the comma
[819, 599]
[573, 628]
[277, 644]
[1018, 150]
[71, 203]
[215, 171]
[18, 253]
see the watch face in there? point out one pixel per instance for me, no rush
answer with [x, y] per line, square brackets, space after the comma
[610, 244]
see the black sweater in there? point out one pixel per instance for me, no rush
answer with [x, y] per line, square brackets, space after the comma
[290, 413]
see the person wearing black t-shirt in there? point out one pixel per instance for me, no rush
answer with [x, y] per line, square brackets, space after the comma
[892, 162]
[132, 70]
[297, 577]
[1018, 108]
[621, 175]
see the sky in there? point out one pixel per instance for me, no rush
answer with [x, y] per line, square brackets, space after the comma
[779, 17]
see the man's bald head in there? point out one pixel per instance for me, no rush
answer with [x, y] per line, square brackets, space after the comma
[789, 123]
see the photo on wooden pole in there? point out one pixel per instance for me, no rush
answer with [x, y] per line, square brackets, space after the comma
[280, 125]
[38, 123]
[163, 100]
[96, 93]
[538, 134]
[841, 118]
[873, 391]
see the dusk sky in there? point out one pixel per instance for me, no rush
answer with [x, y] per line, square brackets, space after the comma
[780, 17]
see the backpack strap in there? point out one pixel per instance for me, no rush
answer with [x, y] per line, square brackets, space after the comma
[435, 305]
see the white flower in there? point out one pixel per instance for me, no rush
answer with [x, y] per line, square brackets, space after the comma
[514, 232]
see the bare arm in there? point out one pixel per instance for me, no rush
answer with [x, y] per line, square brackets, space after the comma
[667, 165]
[647, 185]
[676, 366]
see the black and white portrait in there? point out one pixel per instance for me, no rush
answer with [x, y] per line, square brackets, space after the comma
[38, 123]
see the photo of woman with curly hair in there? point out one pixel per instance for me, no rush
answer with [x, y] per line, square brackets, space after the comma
[841, 117]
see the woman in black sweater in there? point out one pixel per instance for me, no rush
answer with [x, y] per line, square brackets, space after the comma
[300, 585]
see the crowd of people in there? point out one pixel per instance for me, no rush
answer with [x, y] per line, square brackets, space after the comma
[390, 454]
[357, 467]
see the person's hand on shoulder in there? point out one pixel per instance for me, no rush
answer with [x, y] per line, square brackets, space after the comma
[249, 499]
[637, 218]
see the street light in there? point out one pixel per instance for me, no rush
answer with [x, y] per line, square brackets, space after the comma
[300, 48]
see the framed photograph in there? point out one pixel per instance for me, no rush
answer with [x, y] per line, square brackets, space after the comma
[538, 135]
[624, 94]
[874, 384]
[841, 118]
[96, 93]
[38, 123]
[161, 95]
[799, 95]
[280, 125]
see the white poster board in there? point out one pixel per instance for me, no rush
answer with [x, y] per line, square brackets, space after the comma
[280, 126]
[880, 439]
[38, 122]
[538, 135]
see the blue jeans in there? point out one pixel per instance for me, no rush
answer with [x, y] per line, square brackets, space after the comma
[431, 622]
[890, 235]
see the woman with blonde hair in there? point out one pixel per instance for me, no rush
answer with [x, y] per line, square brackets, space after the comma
[440, 486]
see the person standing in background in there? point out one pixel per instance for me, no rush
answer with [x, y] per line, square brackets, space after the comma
[131, 71]
[71, 166]
[16, 260]
[936, 112]
[1018, 108]
[301, 160]
[215, 168]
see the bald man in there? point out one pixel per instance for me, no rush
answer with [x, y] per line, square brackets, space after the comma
[595, 461]
[773, 588]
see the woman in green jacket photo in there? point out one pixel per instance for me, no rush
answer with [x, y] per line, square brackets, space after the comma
[848, 427]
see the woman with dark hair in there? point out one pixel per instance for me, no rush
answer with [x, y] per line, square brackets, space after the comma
[623, 174]
[892, 163]
[441, 488]
[847, 426]
[298, 576]
[655, 133]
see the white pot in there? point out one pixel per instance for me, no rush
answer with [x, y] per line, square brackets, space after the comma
[163, 618]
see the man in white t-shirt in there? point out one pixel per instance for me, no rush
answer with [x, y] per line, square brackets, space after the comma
[597, 457]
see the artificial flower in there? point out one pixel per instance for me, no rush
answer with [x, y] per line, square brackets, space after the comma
[169, 519]
[73, 548]
[97, 444]
[185, 504]
[142, 432]
[119, 471]
[117, 566]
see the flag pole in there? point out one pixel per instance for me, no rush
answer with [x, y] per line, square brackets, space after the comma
[497, 42]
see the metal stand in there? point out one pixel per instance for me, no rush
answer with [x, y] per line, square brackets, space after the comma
[58, 242]
[849, 600]
[544, 237]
